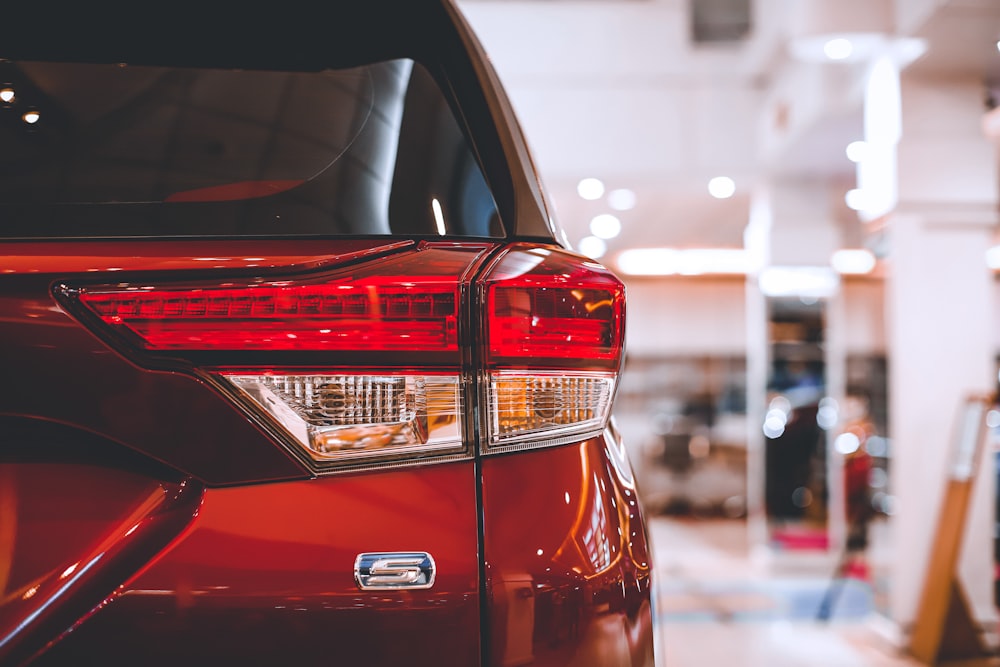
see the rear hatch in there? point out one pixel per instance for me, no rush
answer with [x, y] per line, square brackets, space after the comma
[263, 317]
[235, 331]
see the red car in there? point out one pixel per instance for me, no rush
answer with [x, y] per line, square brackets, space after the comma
[295, 368]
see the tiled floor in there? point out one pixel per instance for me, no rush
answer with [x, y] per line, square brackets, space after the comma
[721, 606]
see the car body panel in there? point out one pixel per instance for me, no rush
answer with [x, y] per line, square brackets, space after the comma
[68, 375]
[69, 532]
[567, 554]
[264, 575]
[151, 515]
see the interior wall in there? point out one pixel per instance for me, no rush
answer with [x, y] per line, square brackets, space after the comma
[686, 316]
[681, 316]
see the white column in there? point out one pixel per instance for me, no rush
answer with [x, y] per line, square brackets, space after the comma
[794, 225]
[939, 301]
[757, 239]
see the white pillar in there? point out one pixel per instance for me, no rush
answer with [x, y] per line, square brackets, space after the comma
[756, 240]
[794, 225]
[939, 296]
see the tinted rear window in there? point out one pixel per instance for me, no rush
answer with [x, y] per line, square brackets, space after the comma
[91, 150]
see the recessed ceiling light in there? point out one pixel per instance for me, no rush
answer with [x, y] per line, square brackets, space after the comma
[838, 48]
[856, 151]
[593, 247]
[590, 188]
[605, 226]
[7, 95]
[854, 261]
[621, 199]
[30, 117]
[993, 257]
[721, 187]
[856, 199]
[855, 47]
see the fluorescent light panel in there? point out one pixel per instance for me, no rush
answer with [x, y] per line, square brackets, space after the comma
[687, 262]
[737, 261]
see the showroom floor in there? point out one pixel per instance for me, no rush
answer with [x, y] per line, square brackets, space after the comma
[720, 606]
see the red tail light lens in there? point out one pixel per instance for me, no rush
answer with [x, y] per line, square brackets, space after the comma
[555, 326]
[406, 303]
[548, 307]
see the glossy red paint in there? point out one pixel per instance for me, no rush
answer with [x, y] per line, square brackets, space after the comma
[273, 562]
[69, 535]
[66, 375]
[265, 576]
[566, 552]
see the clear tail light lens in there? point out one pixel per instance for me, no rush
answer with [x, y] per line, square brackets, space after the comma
[351, 416]
[525, 407]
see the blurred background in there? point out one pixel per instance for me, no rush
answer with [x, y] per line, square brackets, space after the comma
[802, 198]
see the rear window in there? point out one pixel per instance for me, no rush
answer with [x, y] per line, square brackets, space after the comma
[90, 150]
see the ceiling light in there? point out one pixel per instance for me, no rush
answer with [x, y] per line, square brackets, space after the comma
[688, 262]
[883, 106]
[721, 187]
[605, 226]
[907, 49]
[7, 95]
[854, 261]
[621, 199]
[877, 174]
[993, 257]
[593, 247]
[649, 261]
[590, 188]
[30, 117]
[838, 48]
[855, 47]
[856, 151]
[801, 281]
[698, 261]
[855, 199]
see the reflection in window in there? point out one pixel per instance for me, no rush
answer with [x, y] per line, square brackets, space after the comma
[134, 150]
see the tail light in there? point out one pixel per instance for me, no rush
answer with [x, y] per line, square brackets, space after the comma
[373, 364]
[352, 416]
[554, 326]
[407, 302]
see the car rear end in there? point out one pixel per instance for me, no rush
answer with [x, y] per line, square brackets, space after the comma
[296, 369]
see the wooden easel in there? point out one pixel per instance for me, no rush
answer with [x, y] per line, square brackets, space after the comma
[944, 628]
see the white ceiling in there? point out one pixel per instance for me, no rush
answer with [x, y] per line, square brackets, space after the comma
[619, 90]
